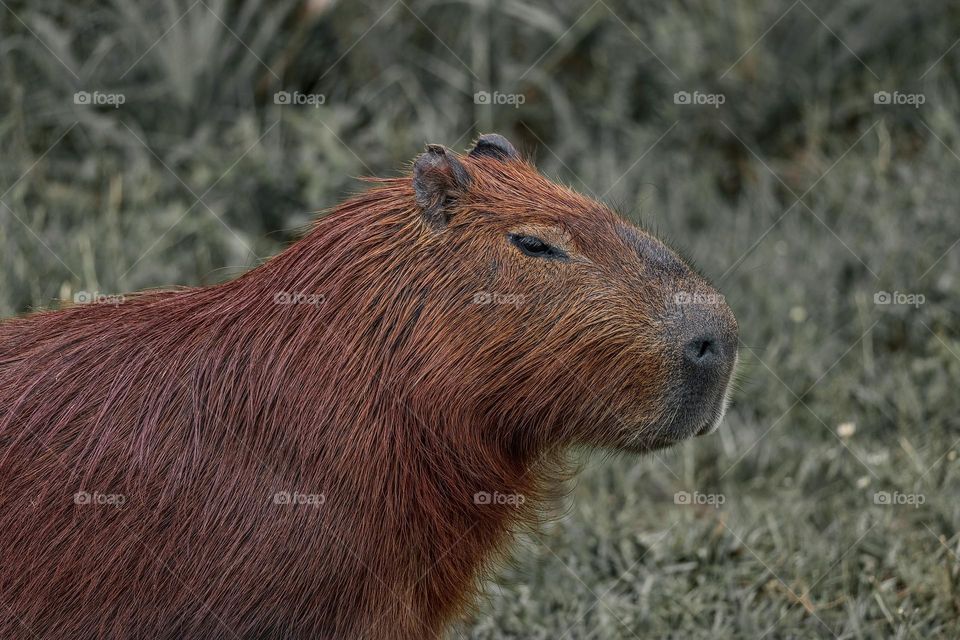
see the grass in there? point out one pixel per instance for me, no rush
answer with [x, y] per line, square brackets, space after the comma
[799, 195]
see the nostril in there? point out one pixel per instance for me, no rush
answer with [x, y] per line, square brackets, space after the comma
[705, 347]
[702, 350]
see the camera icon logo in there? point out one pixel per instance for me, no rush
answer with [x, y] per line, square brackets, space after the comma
[481, 97]
[881, 97]
[81, 97]
[481, 497]
[882, 297]
[681, 97]
[281, 97]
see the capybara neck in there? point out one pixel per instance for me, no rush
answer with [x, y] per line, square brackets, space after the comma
[354, 308]
[360, 299]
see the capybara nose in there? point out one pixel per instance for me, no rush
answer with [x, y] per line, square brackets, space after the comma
[706, 353]
[708, 356]
[708, 340]
[703, 351]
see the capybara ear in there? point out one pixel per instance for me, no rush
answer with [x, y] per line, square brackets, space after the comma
[495, 146]
[438, 179]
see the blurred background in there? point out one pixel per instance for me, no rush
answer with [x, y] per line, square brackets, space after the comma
[804, 155]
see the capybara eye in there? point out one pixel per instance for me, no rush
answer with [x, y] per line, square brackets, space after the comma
[535, 247]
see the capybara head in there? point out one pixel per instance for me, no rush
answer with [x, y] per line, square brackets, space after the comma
[567, 325]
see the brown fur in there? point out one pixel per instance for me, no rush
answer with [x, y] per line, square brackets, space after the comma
[392, 394]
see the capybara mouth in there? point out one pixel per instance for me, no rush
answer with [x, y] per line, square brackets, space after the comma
[712, 425]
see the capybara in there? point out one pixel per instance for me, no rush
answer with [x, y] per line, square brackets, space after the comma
[339, 443]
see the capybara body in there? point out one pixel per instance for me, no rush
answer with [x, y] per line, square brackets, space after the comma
[337, 443]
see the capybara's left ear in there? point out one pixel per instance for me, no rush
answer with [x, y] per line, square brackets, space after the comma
[439, 178]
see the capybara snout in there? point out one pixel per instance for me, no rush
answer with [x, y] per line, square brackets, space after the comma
[707, 336]
[602, 328]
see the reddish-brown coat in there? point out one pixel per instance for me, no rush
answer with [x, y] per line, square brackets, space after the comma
[391, 393]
